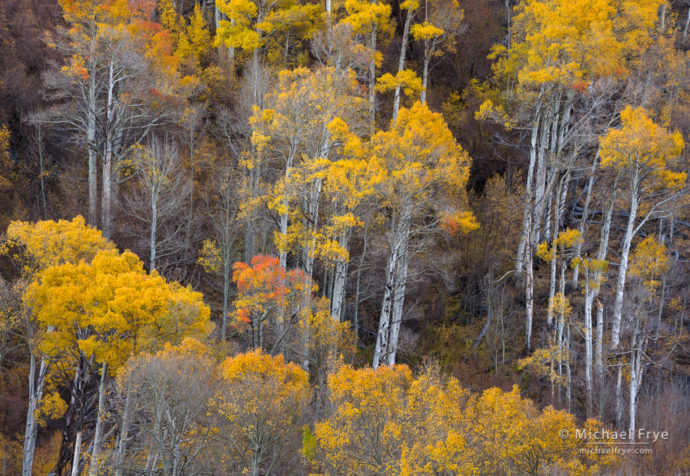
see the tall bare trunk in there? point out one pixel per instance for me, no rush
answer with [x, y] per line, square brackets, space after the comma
[623, 268]
[340, 280]
[401, 61]
[588, 344]
[124, 434]
[76, 461]
[526, 225]
[399, 243]
[398, 301]
[619, 397]
[355, 319]
[35, 396]
[98, 433]
[106, 198]
[91, 137]
[372, 83]
[425, 74]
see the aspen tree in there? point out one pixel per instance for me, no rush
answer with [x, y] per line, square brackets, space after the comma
[645, 152]
[423, 168]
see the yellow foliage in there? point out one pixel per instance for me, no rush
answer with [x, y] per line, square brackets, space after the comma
[561, 305]
[564, 42]
[365, 17]
[49, 243]
[644, 149]
[52, 407]
[259, 409]
[649, 262]
[209, 257]
[425, 31]
[406, 79]
[111, 309]
[386, 422]
[422, 166]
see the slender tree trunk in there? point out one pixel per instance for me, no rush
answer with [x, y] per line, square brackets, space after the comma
[76, 461]
[619, 397]
[106, 199]
[372, 83]
[623, 269]
[554, 259]
[529, 296]
[226, 290]
[588, 344]
[567, 369]
[91, 137]
[599, 355]
[382, 336]
[124, 434]
[425, 75]
[393, 298]
[401, 61]
[635, 380]
[355, 319]
[154, 227]
[98, 434]
[398, 300]
[526, 224]
[35, 396]
[340, 281]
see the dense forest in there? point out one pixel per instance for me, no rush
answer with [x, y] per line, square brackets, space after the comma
[353, 237]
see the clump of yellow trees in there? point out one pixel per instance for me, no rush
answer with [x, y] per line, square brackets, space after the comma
[121, 354]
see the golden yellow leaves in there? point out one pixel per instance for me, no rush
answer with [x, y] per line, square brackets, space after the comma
[109, 308]
[259, 409]
[365, 17]
[649, 262]
[419, 157]
[406, 79]
[49, 243]
[643, 147]
[425, 31]
[385, 421]
[563, 42]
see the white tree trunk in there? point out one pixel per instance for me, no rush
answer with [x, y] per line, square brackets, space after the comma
[106, 198]
[398, 301]
[154, 227]
[588, 344]
[599, 355]
[526, 225]
[124, 434]
[425, 75]
[529, 294]
[401, 61]
[35, 396]
[98, 433]
[91, 139]
[398, 246]
[619, 397]
[77, 455]
[340, 280]
[622, 271]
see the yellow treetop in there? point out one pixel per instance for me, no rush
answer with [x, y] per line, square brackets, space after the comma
[111, 309]
[50, 243]
[649, 262]
[424, 165]
[645, 149]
